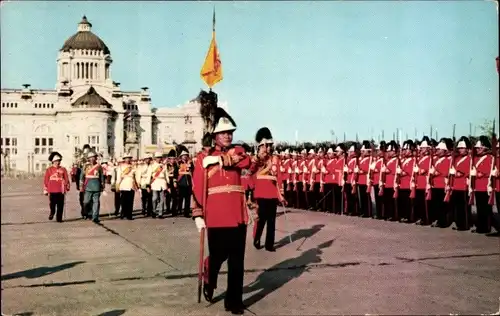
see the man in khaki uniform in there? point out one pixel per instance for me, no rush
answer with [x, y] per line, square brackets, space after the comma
[159, 184]
[143, 178]
[126, 184]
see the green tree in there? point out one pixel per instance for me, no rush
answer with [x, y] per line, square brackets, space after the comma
[486, 128]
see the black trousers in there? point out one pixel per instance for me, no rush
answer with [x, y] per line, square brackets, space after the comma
[485, 217]
[422, 207]
[228, 243]
[171, 200]
[56, 204]
[379, 202]
[352, 200]
[461, 209]
[365, 199]
[405, 205]
[389, 204]
[300, 195]
[315, 197]
[267, 215]
[82, 206]
[127, 203]
[291, 196]
[147, 201]
[117, 203]
[338, 198]
[441, 210]
[184, 199]
[329, 197]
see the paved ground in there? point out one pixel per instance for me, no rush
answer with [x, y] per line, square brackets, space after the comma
[335, 265]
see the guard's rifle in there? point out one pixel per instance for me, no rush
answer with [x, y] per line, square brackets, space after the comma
[397, 176]
[472, 177]
[355, 175]
[381, 182]
[492, 179]
[451, 176]
[430, 177]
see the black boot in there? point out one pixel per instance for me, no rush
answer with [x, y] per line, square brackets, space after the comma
[208, 292]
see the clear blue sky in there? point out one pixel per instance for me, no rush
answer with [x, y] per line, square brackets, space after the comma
[362, 66]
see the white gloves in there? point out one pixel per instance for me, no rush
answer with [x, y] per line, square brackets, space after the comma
[398, 170]
[383, 169]
[345, 169]
[372, 166]
[200, 223]
[210, 160]
[289, 170]
[45, 192]
[453, 171]
[416, 169]
[304, 170]
[432, 170]
[473, 172]
[323, 169]
[356, 169]
[495, 172]
[342, 182]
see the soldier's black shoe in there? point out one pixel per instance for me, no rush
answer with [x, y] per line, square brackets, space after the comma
[153, 215]
[51, 217]
[235, 309]
[256, 244]
[96, 221]
[271, 249]
[208, 292]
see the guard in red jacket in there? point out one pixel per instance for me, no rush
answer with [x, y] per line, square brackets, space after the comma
[460, 186]
[422, 206]
[364, 167]
[329, 179]
[390, 169]
[442, 165]
[408, 162]
[482, 167]
[340, 177]
[223, 211]
[56, 183]
[375, 168]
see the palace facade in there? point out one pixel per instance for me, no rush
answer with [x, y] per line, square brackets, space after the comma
[88, 107]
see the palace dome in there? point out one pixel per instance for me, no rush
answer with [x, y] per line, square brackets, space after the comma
[85, 39]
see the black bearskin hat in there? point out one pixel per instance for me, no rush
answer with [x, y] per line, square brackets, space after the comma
[448, 142]
[466, 142]
[207, 140]
[340, 146]
[393, 146]
[382, 146]
[485, 141]
[434, 142]
[426, 142]
[52, 156]
[172, 153]
[263, 134]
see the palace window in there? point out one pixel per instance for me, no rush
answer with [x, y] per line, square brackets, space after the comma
[9, 104]
[93, 142]
[44, 145]
[9, 145]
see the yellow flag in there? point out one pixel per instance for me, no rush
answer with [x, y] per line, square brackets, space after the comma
[211, 72]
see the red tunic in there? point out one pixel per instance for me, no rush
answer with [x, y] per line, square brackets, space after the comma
[407, 167]
[364, 167]
[330, 175]
[266, 178]
[376, 172]
[483, 165]
[56, 180]
[339, 170]
[319, 164]
[303, 171]
[294, 176]
[351, 164]
[442, 166]
[462, 165]
[390, 172]
[225, 204]
[423, 164]
[285, 169]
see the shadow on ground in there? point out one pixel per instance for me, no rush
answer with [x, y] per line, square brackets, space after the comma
[299, 234]
[115, 312]
[40, 271]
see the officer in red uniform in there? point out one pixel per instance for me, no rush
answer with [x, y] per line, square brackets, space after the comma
[406, 177]
[390, 169]
[340, 178]
[329, 180]
[364, 167]
[460, 194]
[56, 183]
[376, 167]
[266, 172]
[351, 185]
[222, 210]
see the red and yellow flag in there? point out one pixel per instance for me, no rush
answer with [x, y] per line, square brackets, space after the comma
[211, 71]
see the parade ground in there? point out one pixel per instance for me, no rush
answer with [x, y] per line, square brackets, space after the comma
[334, 265]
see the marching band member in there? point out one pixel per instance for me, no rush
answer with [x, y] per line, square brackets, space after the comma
[184, 181]
[126, 184]
[92, 184]
[56, 183]
[159, 184]
[223, 212]
[266, 172]
[143, 178]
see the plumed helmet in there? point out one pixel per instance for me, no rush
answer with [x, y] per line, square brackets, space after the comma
[426, 142]
[207, 140]
[483, 141]
[464, 142]
[172, 153]
[409, 144]
[182, 150]
[366, 145]
[263, 136]
[55, 156]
